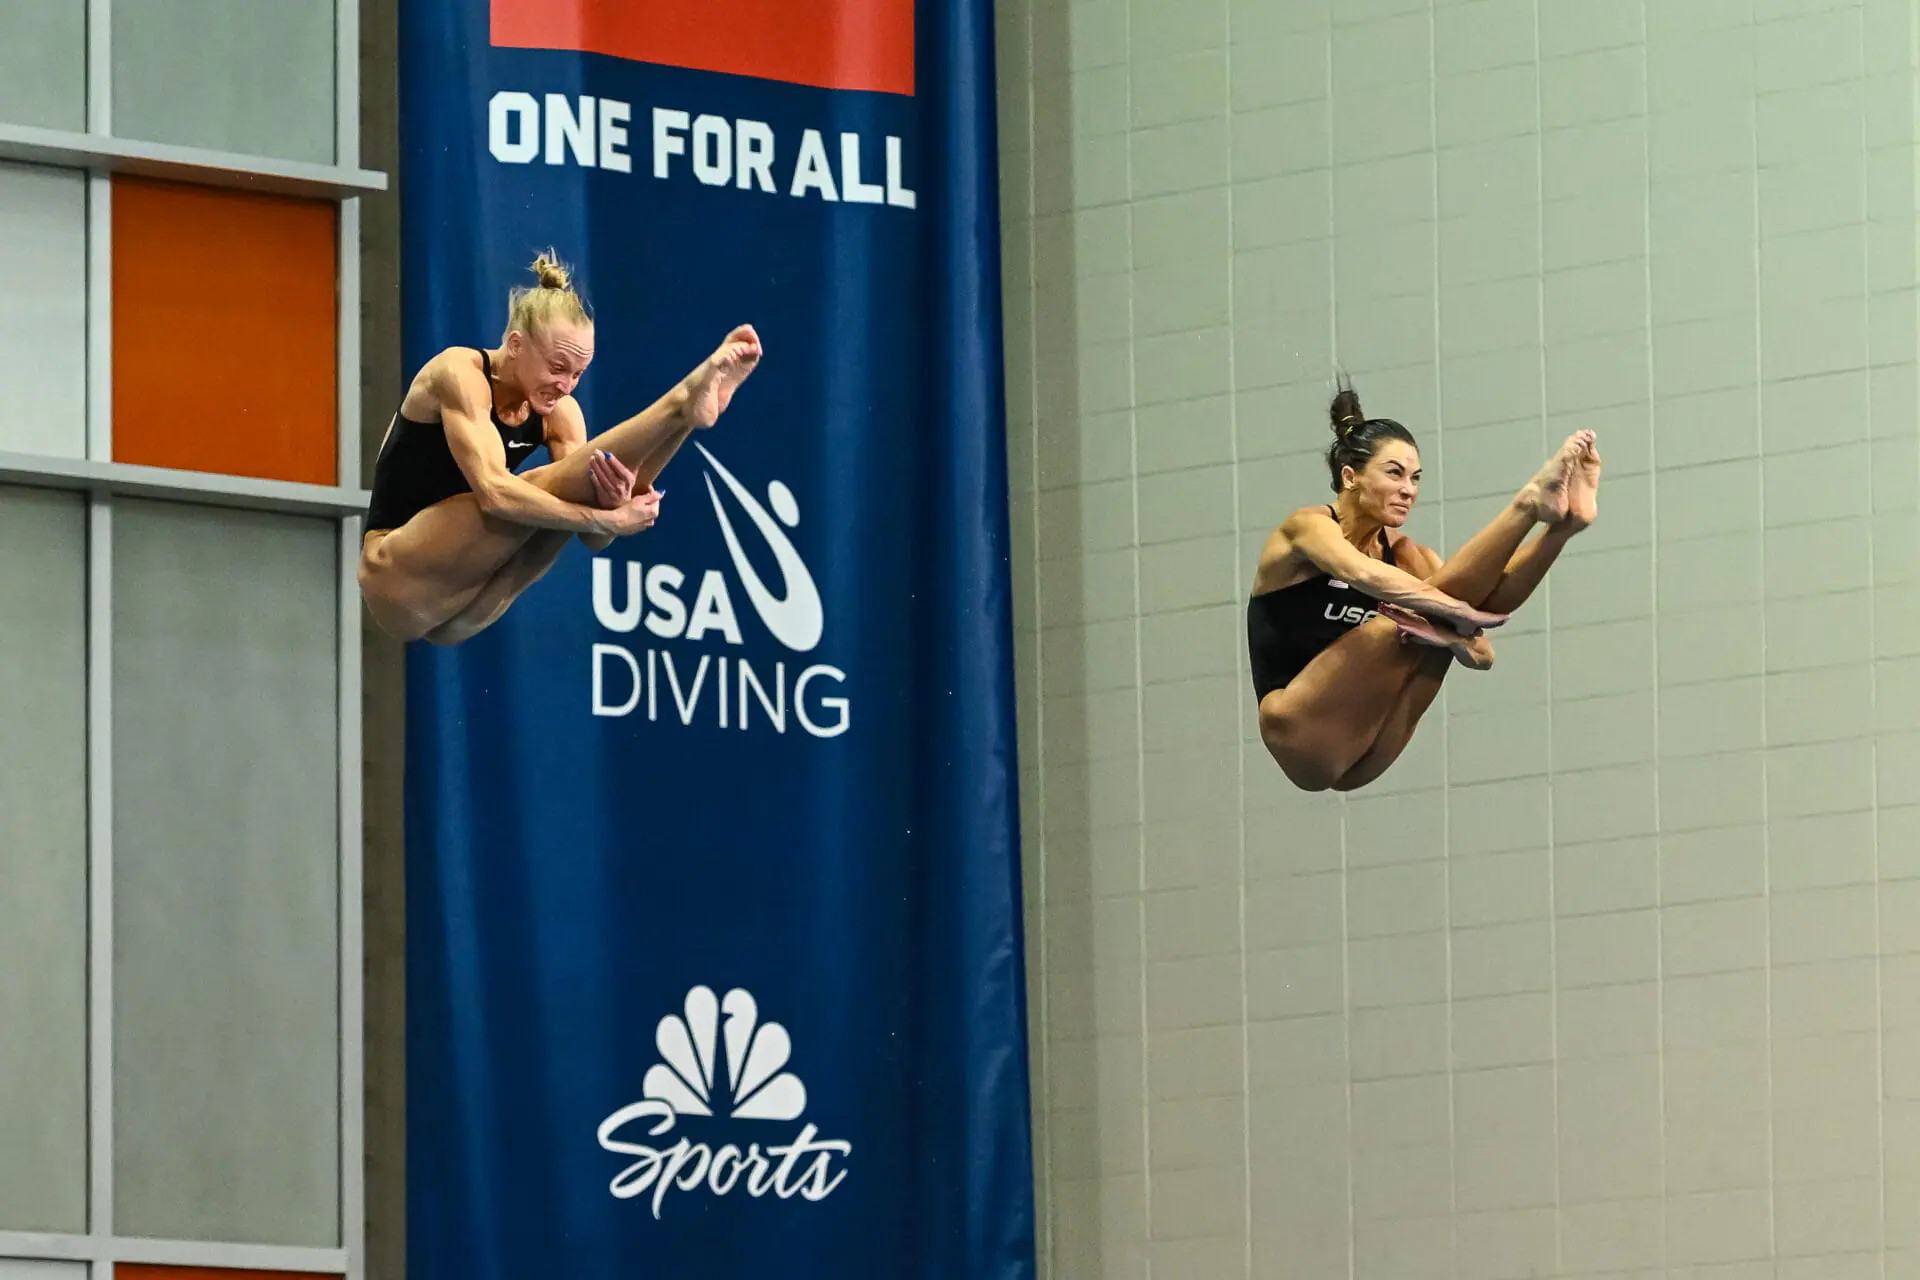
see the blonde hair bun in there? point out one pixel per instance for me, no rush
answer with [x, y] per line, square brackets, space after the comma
[550, 271]
[533, 308]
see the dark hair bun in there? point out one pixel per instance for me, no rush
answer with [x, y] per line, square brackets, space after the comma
[1345, 412]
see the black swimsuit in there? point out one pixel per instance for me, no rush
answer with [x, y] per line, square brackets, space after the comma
[1288, 627]
[416, 469]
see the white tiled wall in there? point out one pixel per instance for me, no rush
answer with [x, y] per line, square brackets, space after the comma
[1617, 972]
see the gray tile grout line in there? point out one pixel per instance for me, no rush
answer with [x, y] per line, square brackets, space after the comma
[1240, 756]
[1766, 850]
[1873, 664]
[1653, 569]
[1344, 802]
[1446, 740]
[1553, 924]
[1139, 706]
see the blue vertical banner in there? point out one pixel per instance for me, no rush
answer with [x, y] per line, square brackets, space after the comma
[714, 942]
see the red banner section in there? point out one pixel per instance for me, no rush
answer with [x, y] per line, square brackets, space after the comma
[834, 44]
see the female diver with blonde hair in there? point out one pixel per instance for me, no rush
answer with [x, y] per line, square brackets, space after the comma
[1352, 625]
[453, 534]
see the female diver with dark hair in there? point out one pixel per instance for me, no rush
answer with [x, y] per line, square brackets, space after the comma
[1352, 625]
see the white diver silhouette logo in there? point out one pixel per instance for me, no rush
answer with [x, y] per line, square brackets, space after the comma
[797, 619]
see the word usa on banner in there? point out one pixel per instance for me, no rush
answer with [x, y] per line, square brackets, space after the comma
[716, 150]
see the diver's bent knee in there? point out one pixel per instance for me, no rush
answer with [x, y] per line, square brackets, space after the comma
[1309, 775]
[385, 593]
[1305, 768]
[400, 625]
[392, 617]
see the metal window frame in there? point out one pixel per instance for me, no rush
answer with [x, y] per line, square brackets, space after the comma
[101, 155]
[100, 923]
[104, 1253]
[352, 1074]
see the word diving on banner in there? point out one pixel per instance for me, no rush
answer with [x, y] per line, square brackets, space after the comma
[716, 150]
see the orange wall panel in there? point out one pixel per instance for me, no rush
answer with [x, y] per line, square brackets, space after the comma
[225, 337]
[138, 1271]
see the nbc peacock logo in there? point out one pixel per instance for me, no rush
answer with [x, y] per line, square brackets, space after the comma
[720, 1063]
[685, 1078]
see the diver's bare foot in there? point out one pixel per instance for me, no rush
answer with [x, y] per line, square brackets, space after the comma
[1545, 496]
[1583, 491]
[710, 388]
[1475, 654]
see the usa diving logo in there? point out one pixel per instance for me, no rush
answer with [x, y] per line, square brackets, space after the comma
[713, 1071]
[707, 666]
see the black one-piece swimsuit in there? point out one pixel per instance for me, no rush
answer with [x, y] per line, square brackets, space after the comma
[1288, 627]
[416, 469]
